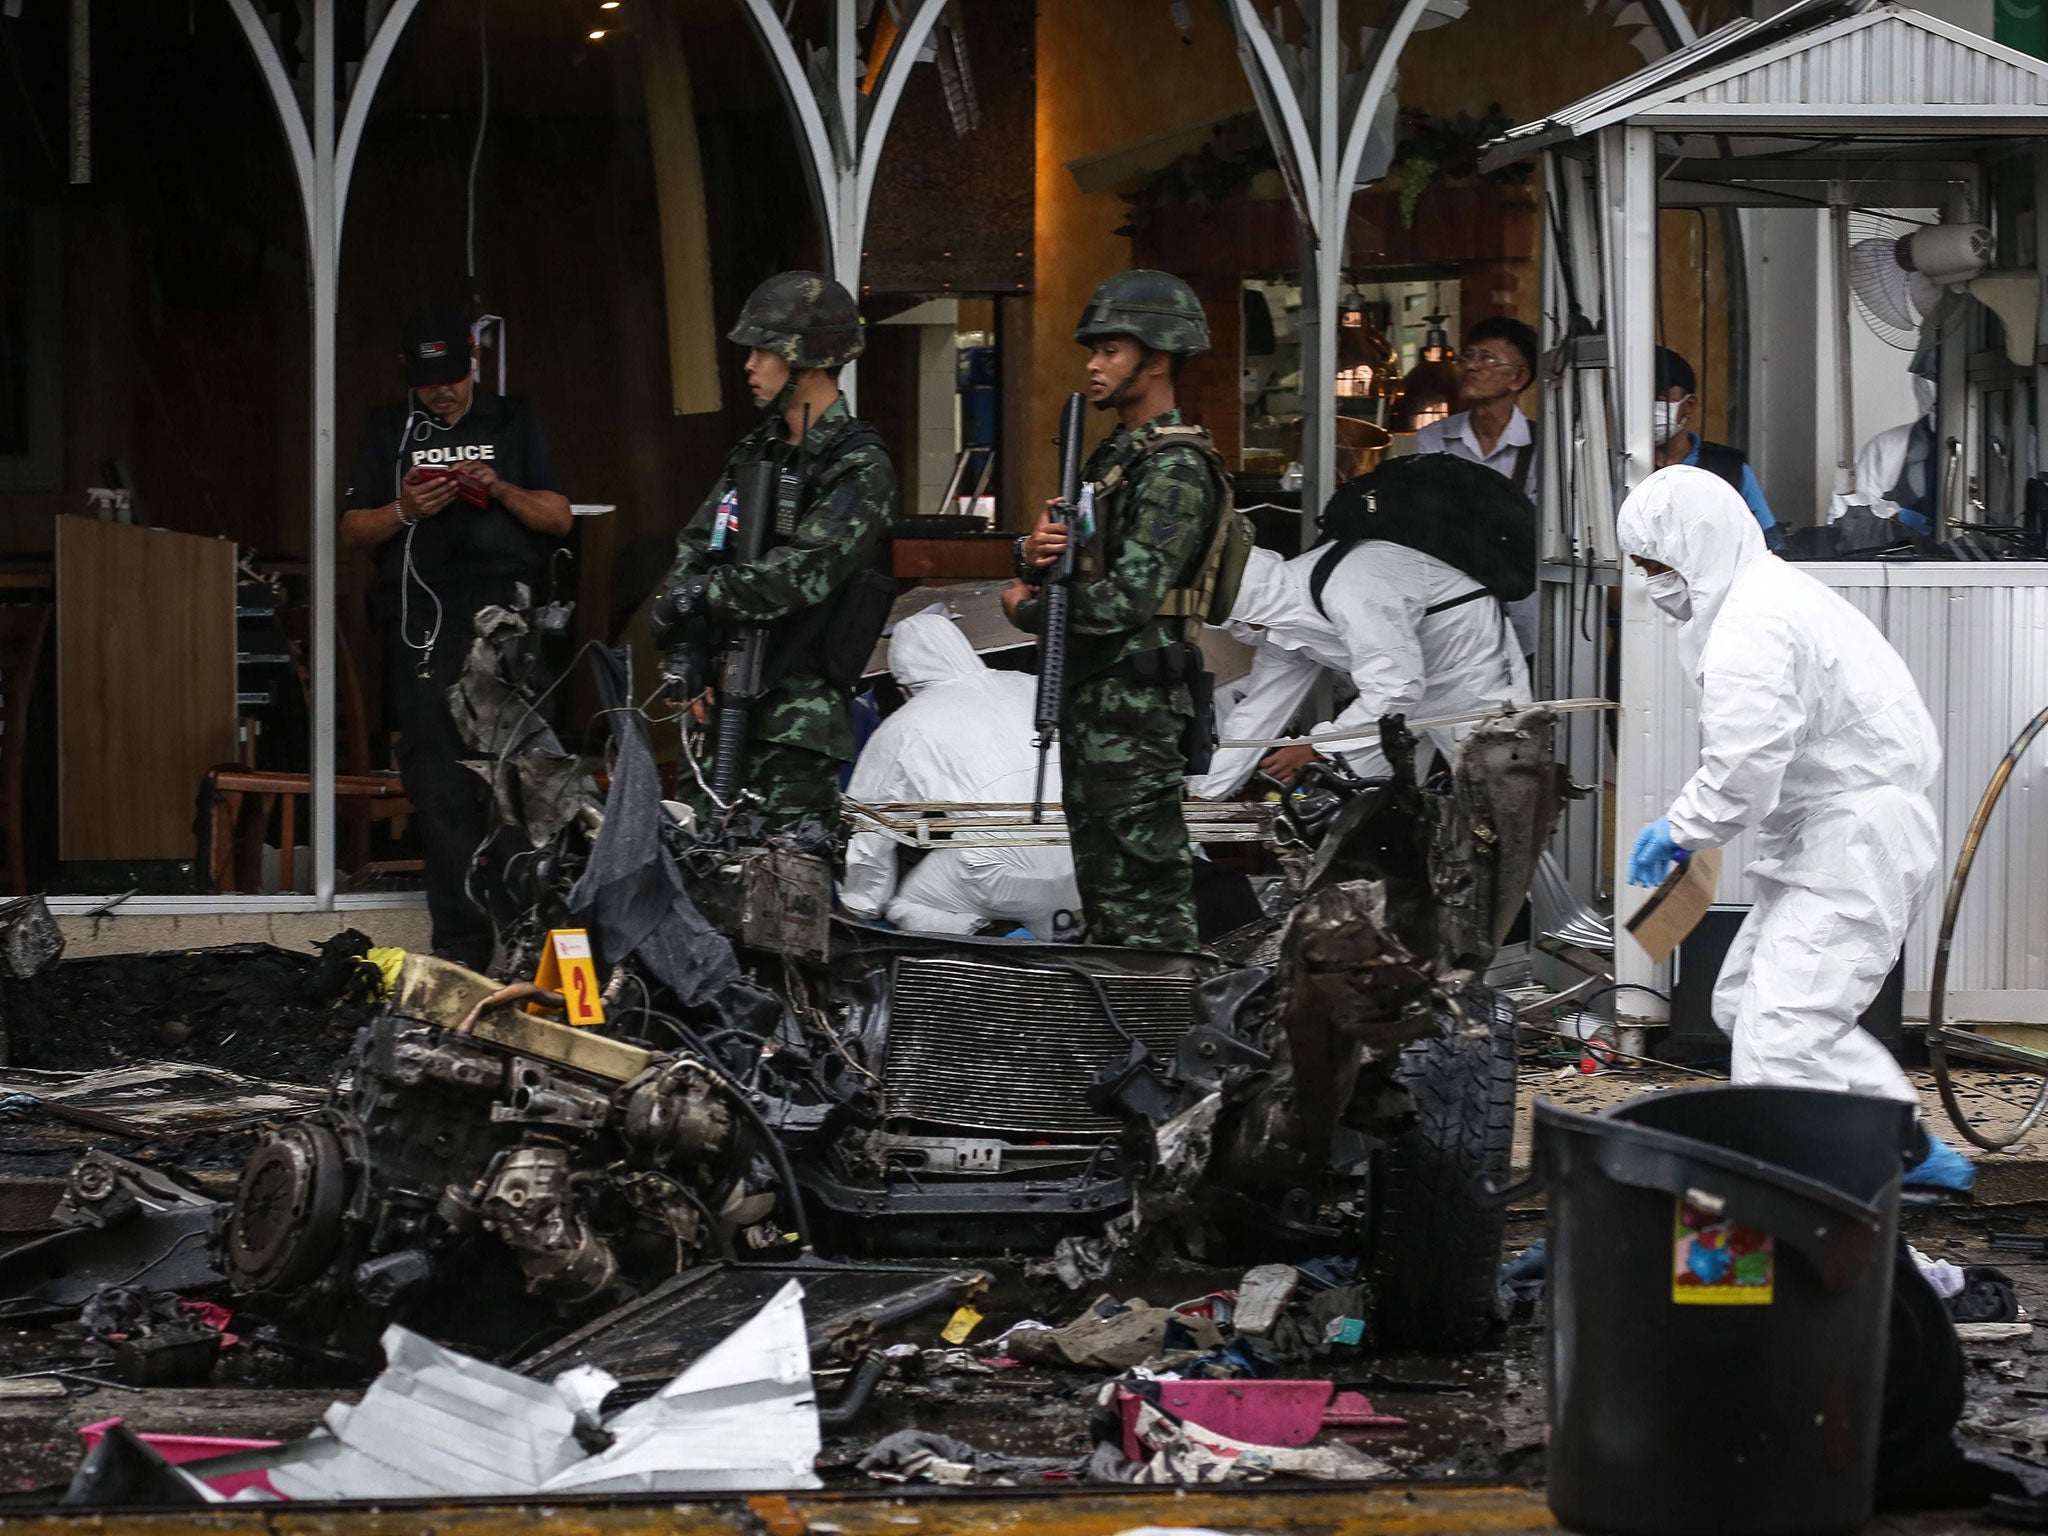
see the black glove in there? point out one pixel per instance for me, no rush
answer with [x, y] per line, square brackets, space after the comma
[679, 613]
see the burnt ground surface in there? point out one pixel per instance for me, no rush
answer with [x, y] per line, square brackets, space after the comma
[250, 1008]
[1476, 1417]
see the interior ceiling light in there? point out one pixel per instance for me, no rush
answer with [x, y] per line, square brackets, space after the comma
[609, 5]
[596, 35]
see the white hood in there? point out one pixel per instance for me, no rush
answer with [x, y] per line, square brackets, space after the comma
[927, 649]
[1273, 604]
[1693, 521]
[1263, 595]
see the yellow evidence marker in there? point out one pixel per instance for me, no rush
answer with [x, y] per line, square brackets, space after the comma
[566, 967]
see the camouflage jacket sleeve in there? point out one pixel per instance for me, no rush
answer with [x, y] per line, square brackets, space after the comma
[848, 516]
[1156, 536]
[693, 544]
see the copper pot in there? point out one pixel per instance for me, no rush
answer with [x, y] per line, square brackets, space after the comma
[1361, 445]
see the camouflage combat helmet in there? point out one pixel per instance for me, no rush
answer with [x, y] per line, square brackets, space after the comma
[804, 318]
[1155, 308]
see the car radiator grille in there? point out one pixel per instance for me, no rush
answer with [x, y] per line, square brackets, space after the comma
[982, 1047]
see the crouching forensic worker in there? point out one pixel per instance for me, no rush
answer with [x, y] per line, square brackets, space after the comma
[1812, 732]
[965, 736]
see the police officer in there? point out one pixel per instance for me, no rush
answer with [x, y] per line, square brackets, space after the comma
[821, 583]
[1123, 728]
[455, 491]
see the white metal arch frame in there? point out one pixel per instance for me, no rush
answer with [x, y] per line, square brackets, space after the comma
[1319, 131]
[840, 135]
[1319, 139]
[323, 162]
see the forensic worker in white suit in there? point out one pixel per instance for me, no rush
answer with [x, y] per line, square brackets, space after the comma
[1813, 733]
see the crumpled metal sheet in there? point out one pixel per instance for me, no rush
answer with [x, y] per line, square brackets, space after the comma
[165, 1098]
[438, 1424]
[1509, 790]
[744, 1416]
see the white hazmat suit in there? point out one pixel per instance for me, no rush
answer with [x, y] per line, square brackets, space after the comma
[1378, 630]
[965, 735]
[1811, 731]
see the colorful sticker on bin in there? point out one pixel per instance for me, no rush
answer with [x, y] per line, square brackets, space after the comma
[1715, 1263]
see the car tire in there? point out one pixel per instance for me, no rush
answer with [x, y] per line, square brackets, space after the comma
[1435, 1242]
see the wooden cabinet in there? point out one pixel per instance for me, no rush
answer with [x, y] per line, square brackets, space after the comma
[145, 685]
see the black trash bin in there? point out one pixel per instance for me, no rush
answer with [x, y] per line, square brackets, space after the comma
[1720, 1285]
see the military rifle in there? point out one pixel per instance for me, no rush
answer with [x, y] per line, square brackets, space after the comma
[1052, 634]
[743, 675]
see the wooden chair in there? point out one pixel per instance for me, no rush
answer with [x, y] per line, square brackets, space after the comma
[23, 629]
[236, 801]
[358, 816]
[234, 814]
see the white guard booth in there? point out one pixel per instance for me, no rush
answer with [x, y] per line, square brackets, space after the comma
[1858, 115]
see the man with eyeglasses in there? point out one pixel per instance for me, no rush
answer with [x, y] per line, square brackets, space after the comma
[1496, 363]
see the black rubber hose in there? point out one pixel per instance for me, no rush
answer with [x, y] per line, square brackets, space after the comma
[854, 1400]
[1937, 1054]
[772, 1142]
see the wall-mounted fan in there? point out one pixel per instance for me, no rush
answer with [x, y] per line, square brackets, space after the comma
[1913, 282]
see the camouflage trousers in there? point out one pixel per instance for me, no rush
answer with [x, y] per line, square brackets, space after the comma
[1122, 775]
[792, 784]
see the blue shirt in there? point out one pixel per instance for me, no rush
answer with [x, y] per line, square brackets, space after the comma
[1751, 491]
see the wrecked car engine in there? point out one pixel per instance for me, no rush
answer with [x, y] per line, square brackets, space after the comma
[595, 1167]
[772, 1080]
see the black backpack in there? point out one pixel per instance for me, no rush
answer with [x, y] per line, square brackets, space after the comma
[1472, 518]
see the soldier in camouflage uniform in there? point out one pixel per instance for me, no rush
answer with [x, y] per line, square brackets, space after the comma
[838, 494]
[1127, 710]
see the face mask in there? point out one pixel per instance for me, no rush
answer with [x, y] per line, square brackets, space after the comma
[1668, 591]
[1664, 420]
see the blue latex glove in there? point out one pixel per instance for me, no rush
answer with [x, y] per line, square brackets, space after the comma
[1942, 1168]
[1649, 861]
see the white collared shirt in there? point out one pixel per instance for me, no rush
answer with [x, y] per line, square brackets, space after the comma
[1454, 435]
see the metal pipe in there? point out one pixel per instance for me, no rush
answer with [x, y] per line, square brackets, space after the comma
[81, 93]
[1845, 366]
[1735, 265]
[324, 259]
[1937, 1055]
[1628, 197]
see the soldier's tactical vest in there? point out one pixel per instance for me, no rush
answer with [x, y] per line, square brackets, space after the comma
[834, 639]
[1211, 591]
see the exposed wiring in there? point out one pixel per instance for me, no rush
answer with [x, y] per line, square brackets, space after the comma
[771, 1143]
[420, 426]
[1604, 1049]
[1621, 986]
[696, 772]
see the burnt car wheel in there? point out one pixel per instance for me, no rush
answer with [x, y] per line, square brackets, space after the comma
[1435, 1245]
